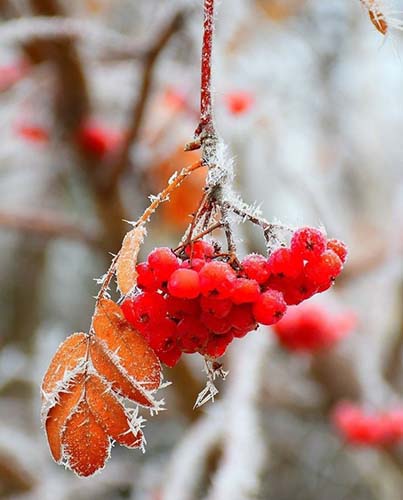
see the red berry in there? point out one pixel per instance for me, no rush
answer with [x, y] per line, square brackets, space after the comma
[284, 263]
[323, 270]
[192, 335]
[144, 309]
[162, 336]
[297, 290]
[184, 284]
[219, 326]
[217, 345]
[269, 308]
[217, 279]
[242, 318]
[145, 279]
[195, 264]
[215, 306]
[339, 248]
[163, 263]
[179, 308]
[170, 358]
[245, 291]
[357, 427]
[200, 249]
[98, 140]
[308, 243]
[238, 102]
[310, 328]
[255, 267]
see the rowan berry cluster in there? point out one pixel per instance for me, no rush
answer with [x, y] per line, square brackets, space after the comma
[311, 328]
[198, 301]
[361, 428]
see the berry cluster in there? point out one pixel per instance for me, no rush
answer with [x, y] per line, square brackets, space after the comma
[361, 428]
[198, 302]
[310, 328]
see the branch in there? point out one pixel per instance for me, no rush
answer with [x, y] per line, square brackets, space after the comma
[140, 104]
[206, 102]
[47, 226]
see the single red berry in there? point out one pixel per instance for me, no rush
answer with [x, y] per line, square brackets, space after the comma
[162, 335]
[215, 306]
[242, 319]
[145, 279]
[184, 284]
[217, 279]
[255, 267]
[219, 326]
[358, 427]
[310, 328]
[296, 290]
[171, 357]
[239, 102]
[195, 264]
[97, 139]
[323, 270]
[200, 249]
[284, 263]
[269, 308]
[192, 335]
[217, 345]
[245, 291]
[163, 263]
[144, 308]
[179, 308]
[308, 243]
[339, 248]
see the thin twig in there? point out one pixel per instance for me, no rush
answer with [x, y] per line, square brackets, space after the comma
[120, 164]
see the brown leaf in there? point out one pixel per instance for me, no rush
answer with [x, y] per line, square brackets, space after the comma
[110, 413]
[119, 379]
[85, 442]
[58, 415]
[135, 355]
[126, 273]
[69, 357]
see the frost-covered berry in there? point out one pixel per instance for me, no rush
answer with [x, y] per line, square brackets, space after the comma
[217, 345]
[308, 243]
[179, 308]
[163, 263]
[339, 248]
[245, 291]
[242, 319]
[146, 279]
[255, 267]
[285, 263]
[144, 309]
[219, 326]
[215, 306]
[216, 278]
[269, 308]
[200, 249]
[184, 284]
[192, 335]
[323, 270]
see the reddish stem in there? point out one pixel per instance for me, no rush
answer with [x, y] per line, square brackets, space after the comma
[206, 107]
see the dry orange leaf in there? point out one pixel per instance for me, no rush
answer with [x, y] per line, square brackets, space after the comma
[82, 408]
[126, 273]
[132, 350]
[121, 383]
[86, 444]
